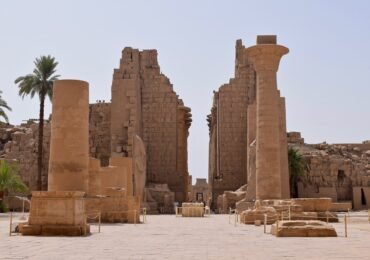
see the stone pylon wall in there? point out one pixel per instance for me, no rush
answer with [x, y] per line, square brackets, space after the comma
[228, 127]
[145, 104]
[99, 132]
[234, 130]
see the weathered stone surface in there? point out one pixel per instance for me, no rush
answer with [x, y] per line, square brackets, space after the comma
[61, 210]
[145, 104]
[230, 198]
[19, 144]
[192, 209]
[251, 215]
[99, 131]
[337, 171]
[248, 129]
[340, 206]
[69, 145]
[145, 121]
[159, 198]
[299, 228]
[270, 180]
[313, 204]
[56, 213]
[228, 128]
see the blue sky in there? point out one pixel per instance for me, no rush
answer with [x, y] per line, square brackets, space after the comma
[325, 77]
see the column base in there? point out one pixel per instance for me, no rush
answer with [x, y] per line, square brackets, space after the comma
[53, 230]
[56, 213]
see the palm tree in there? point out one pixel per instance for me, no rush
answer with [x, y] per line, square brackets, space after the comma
[3, 105]
[10, 180]
[40, 82]
[296, 171]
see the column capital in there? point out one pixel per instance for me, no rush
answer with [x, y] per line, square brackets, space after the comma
[266, 57]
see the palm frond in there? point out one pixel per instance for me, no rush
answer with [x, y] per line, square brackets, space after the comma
[40, 82]
[10, 179]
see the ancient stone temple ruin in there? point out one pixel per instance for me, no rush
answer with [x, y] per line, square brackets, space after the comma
[248, 127]
[144, 109]
[337, 171]
[145, 104]
[77, 185]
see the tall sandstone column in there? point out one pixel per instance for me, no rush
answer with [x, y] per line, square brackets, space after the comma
[265, 57]
[69, 144]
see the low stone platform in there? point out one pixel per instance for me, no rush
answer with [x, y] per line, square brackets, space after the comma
[301, 228]
[341, 206]
[53, 230]
[55, 213]
[192, 210]
[251, 215]
[313, 204]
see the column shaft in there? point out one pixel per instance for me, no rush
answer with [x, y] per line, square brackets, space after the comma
[268, 177]
[69, 145]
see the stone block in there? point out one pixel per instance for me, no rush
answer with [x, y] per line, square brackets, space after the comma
[341, 206]
[299, 228]
[192, 209]
[56, 213]
[266, 39]
[251, 215]
[313, 204]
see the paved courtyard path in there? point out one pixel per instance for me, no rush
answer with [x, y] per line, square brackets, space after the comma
[168, 237]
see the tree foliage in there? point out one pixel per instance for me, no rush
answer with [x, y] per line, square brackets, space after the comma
[296, 171]
[3, 105]
[40, 83]
[10, 179]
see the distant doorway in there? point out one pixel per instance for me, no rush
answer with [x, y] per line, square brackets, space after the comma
[199, 196]
[363, 198]
[343, 186]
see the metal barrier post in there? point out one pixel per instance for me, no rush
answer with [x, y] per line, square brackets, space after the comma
[10, 223]
[369, 214]
[264, 223]
[99, 220]
[290, 217]
[135, 217]
[229, 215]
[327, 217]
[85, 225]
[345, 225]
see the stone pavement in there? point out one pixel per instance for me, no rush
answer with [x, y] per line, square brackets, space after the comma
[170, 237]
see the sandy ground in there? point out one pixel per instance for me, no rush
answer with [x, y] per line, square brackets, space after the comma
[170, 237]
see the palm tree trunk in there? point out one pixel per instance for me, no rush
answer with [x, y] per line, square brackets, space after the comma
[40, 144]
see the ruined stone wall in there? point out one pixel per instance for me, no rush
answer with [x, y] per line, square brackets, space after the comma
[235, 124]
[99, 132]
[145, 104]
[19, 144]
[228, 128]
[183, 125]
[338, 171]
